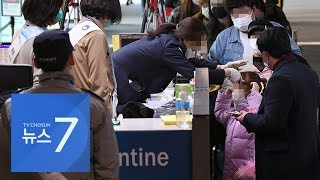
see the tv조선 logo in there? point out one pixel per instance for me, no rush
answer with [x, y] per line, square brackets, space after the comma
[50, 133]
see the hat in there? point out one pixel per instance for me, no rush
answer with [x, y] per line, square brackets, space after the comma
[52, 45]
[248, 68]
[258, 25]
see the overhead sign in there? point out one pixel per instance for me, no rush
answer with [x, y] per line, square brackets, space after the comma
[155, 155]
[11, 7]
[45, 133]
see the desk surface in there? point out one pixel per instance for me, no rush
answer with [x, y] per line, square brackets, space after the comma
[146, 124]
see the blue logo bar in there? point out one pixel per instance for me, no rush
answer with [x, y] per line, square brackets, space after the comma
[50, 133]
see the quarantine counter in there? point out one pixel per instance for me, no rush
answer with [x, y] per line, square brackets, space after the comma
[148, 149]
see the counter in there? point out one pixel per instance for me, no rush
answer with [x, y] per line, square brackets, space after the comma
[148, 149]
[146, 124]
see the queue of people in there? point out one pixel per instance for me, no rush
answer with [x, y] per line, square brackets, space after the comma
[253, 62]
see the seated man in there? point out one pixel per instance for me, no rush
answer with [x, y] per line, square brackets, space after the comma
[53, 54]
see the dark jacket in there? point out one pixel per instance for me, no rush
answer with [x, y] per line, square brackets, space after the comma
[287, 135]
[172, 3]
[151, 63]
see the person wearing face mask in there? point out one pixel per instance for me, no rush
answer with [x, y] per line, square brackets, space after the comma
[239, 144]
[255, 28]
[203, 13]
[286, 126]
[233, 43]
[187, 8]
[148, 65]
[38, 15]
[93, 66]
[219, 19]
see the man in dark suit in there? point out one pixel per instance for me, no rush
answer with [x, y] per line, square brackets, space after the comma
[287, 134]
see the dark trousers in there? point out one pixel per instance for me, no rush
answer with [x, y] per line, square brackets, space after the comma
[217, 140]
[218, 162]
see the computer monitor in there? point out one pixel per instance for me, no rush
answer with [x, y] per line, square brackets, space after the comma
[4, 56]
[123, 39]
[126, 39]
[15, 76]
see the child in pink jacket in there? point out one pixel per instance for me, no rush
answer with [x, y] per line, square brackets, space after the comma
[239, 144]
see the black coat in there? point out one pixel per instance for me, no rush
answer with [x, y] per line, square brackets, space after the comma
[287, 135]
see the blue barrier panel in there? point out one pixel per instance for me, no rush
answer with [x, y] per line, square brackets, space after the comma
[156, 155]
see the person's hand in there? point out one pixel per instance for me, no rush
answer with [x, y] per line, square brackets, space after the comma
[227, 84]
[235, 64]
[233, 75]
[255, 86]
[241, 117]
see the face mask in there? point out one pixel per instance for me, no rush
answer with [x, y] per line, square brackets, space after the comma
[219, 12]
[205, 12]
[242, 23]
[58, 17]
[254, 46]
[238, 96]
[110, 23]
[196, 2]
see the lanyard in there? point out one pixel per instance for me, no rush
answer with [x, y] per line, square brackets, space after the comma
[90, 19]
[59, 79]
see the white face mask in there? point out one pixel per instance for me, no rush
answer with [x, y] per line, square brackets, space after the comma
[238, 96]
[205, 11]
[254, 46]
[242, 23]
[196, 2]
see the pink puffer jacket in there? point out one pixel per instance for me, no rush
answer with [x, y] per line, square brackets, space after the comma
[239, 145]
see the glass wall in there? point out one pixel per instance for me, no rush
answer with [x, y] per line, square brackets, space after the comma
[5, 35]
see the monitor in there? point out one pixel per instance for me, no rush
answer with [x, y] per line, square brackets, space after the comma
[123, 39]
[126, 39]
[15, 76]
